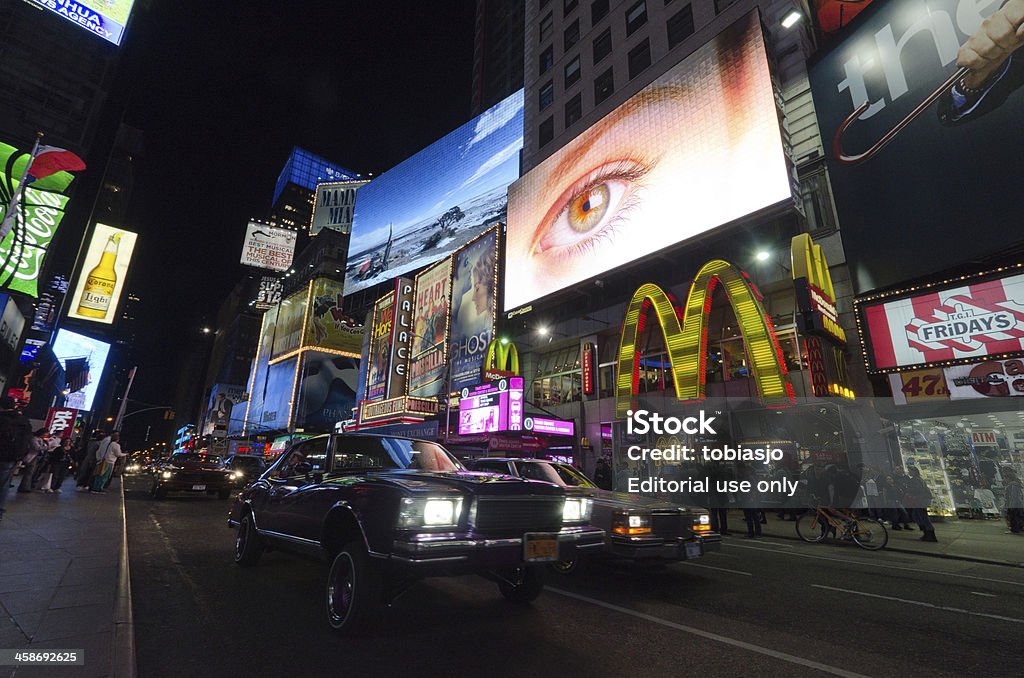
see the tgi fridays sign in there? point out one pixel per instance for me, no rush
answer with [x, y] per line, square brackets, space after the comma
[60, 421]
[946, 327]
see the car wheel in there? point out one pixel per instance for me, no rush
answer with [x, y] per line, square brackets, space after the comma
[248, 544]
[565, 567]
[523, 584]
[354, 590]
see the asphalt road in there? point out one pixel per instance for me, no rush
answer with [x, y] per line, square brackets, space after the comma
[767, 608]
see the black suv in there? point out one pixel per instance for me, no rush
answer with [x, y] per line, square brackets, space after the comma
[387, 511]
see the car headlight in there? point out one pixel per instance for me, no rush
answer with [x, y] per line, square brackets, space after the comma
[702, 523]
[430, 512]
[704, 519]
[631, 523]
[576, 510]
[235, 475]
[166, 475]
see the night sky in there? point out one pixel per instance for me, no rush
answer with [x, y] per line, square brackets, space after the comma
[224, 90]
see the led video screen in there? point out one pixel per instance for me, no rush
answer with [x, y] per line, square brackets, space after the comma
[104, 18]
[438, 200]
[698, 148]
[71, 346]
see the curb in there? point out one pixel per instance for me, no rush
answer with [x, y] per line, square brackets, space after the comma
[123, 660]
[947, 556]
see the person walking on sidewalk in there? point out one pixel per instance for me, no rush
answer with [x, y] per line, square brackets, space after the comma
[89, 459]
[1014, 501]
[15, 431]
[107, 454]
[920, 498]
[35, 457]
[62, 468]
[52, 475]
[895, 493]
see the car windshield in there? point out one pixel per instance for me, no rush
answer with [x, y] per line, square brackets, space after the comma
[559, 474]
[249, 462]
[360, 452]
[195, 459]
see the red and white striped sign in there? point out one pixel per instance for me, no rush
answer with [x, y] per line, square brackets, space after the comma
[960, 323]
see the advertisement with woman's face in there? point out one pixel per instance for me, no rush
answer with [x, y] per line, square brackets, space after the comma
[697, 148]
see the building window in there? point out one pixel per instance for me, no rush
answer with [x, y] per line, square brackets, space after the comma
[603, 45]
[547, 58]
[639, 58]
[568, 6]
[572, 71]
[546, 132]
[572, 34]
[636, 16]
[680, 26]
[546, 95]
[573, 110]
[722, 5]
[545, 28]
[604, 85]
[598, 11]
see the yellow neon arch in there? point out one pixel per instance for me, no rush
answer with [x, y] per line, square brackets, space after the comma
[686, 338]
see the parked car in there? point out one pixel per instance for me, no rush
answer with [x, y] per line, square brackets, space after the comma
[248, 466]
[388, 511]
[193, 472]
[635, 527]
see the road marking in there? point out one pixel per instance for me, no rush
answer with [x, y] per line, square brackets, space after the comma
[921, 604]
[986, 595]
[720, 569]
[767, 651]
[916, 570]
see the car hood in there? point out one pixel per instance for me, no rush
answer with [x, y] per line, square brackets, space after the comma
[195, 466]
[474, 482]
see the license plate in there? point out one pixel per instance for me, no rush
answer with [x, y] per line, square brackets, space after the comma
[540, 547]
[199, 488]
[693, 551]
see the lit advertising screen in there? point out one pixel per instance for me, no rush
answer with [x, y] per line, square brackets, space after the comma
[494, 406]
[290, 317]
[328, 326]
[101, 280]
[106, 19]
[379, 358]
[261, 363]
[698, 148]
[328, 390]
[277, 401]
[71, 346]
[334, 207]
[430, 330]
[473, 305]
[431, 204]
[40, 213]
[268, 247]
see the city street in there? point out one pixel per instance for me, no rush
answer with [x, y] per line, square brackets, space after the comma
[772, 607]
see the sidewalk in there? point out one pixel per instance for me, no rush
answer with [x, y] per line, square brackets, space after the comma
[64, 581]
[976, 540]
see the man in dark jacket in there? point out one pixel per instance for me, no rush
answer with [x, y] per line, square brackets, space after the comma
[88, 465]
[15, 431]
[919, 498]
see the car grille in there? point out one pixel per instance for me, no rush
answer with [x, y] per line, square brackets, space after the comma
[513, 517]
[669, 524]
[198, 477]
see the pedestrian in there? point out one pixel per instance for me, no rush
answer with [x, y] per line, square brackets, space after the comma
[55, 458]
[62, 468]
[34, 458]
[15, 432]
[751, 514]
[603, 474]
[718, 500]
[919, 497]
[107, 454]
[1013, 498]
[899, 514]
[88, 465]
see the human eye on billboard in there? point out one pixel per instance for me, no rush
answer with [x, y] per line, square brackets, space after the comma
[696, 149]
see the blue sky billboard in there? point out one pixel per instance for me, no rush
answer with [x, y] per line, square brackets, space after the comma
[433, 203]
[71, 345]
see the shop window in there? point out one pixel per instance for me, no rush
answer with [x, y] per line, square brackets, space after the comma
[598, 11]
[604, 85]
[572, 72]
[639, 58]
[547, 59]
[546, 132]
[636, 16]
[545, 26]
[603, 45]
[680, 26]
[546, 95]
[573, 110]
[571, 35]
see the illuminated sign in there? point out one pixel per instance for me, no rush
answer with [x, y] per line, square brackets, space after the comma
[705, 135]
[687, 342]
[393, 408]
[440, 199]
[327, 326]
[984, 438]
[553, 426]
[913, 386]
[427, 366]
[379, 369]
[495, 406]
[815, 294]
[74, 347]
[587, 365]
[945, 325]
[473, 307]
[269, 293]
[104, 18]
[268, 247]
[101, 279]
[60, 421]
[402, 337]
[334, 207]
[291, 317]
[990, 379]
[502, 360]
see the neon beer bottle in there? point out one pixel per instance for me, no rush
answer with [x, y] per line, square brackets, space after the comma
[99, 284]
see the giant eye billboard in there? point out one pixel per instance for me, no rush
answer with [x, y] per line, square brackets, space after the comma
[446, 195]
[697, 148]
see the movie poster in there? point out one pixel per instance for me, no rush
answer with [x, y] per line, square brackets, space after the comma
[473, 303]
[380, 347]
[328, 326]
[430, 329]
[328, 390]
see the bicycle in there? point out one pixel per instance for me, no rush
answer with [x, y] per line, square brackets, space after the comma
[867, 533]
